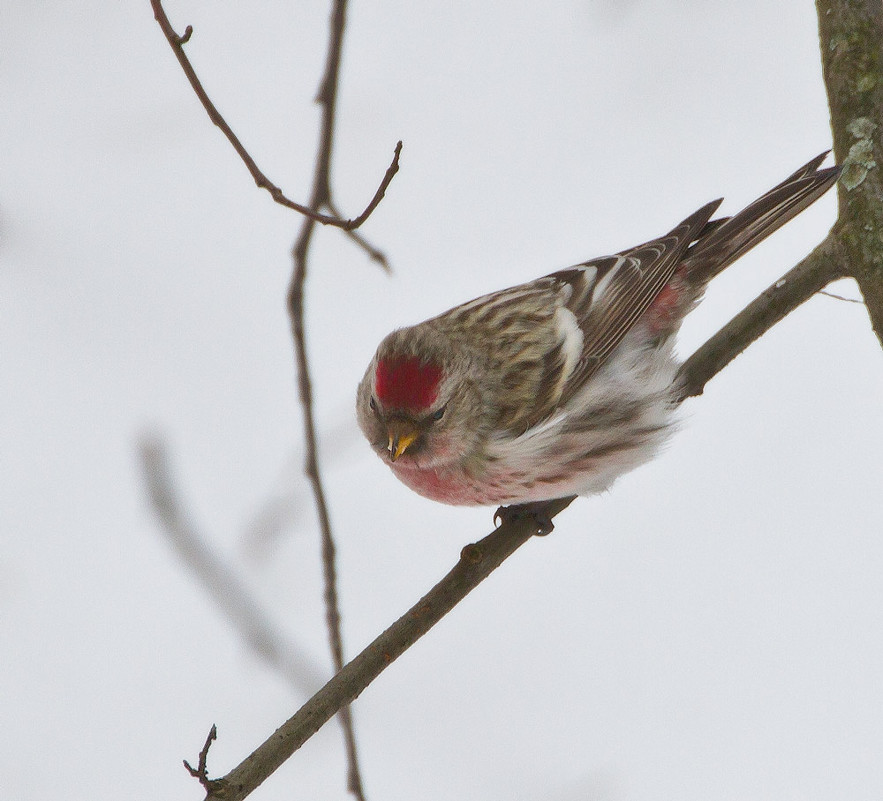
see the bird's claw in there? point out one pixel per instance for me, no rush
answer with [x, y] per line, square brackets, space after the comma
[537, 511]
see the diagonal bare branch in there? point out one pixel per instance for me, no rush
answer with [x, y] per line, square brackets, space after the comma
[477, 562]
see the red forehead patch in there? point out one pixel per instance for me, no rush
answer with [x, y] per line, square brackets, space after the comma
[407, 383]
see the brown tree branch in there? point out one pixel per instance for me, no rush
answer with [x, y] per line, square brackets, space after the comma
[177, 43]
[476, 562]
[821, 267]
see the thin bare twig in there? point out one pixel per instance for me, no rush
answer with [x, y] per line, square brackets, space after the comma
[840, 297]
[321, 197]
[177, 43]
[201, 771]
[220, 581]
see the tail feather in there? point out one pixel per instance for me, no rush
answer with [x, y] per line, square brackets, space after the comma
[725, 240]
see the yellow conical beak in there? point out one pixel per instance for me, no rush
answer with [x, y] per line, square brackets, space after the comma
[400, 439]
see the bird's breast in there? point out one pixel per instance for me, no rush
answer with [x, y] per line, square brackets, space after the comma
[453, 485]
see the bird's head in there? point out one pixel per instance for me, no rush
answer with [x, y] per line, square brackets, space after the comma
[418, 398]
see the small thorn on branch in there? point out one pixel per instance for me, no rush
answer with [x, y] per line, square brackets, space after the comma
[188, 32]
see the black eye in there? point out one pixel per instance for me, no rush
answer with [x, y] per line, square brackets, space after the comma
[373, 404]
[439, 414]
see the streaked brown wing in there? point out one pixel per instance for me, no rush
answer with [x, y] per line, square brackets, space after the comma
[606, 296]
[610, 294]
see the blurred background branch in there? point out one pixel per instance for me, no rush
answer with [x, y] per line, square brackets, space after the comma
[220, 580]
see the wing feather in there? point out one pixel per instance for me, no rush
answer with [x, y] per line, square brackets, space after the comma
[623, 288]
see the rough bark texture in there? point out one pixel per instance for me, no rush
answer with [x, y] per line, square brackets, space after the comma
[851, 40]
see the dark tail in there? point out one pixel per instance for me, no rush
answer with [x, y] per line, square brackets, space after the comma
[725, 240]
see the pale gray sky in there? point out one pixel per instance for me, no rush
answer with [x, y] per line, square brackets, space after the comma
[711, 628]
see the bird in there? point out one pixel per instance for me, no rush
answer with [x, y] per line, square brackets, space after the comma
[557, 387]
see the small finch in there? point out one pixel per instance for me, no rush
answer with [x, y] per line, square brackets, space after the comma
[559, 386]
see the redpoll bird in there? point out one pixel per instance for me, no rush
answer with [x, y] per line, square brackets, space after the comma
[559, 386]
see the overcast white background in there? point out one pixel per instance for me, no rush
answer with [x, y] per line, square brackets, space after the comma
[712, 628]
